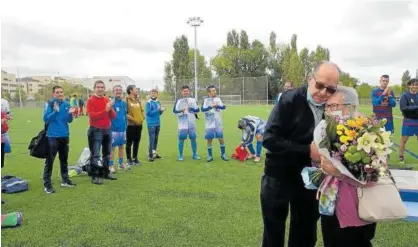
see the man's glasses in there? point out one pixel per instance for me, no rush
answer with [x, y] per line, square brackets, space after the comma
[320, 86]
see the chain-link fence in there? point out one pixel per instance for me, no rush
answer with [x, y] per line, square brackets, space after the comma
[240, 90]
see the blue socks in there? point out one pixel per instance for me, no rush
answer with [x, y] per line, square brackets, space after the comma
[120, 161]
[181, 146]
[194, 146]
[259, 147]
[251, 148]
[210, 154]
[111, 163]
[222, 149]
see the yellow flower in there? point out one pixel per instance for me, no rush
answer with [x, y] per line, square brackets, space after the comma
[360, 121]
[345, 139]
[339, 132]
[340, 127]
[352, 123]
[350, 133]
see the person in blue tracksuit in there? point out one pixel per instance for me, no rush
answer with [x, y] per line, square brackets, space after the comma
[118, 127]
[57, 114]
[153, 110]
[409, 108]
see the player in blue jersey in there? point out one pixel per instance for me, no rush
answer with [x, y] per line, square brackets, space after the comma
[409, 108]
[212, 107]
[118, 127]
[186, 108]
[252, 126]
[383, 100]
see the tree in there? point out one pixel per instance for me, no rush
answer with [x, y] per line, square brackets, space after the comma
[274, 67]
[23, 96]
[364, 91]
[293, 43]
[225, 63]
[306, 63]
[169, 86]
[37, 97]
[232, 39]
[295, 69]
[203, 70]
[6, 95]
[347, 80]
[321, 54]
[405, 78]
[181, 60]
[397, 90]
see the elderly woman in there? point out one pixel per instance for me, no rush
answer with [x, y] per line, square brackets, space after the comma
[344, 228]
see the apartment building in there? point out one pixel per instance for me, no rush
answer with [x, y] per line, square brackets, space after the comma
[9, 83]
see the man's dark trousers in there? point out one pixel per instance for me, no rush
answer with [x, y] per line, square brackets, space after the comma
[56, 145]
[133, 136]
[99, 139]
[276, 196]
[153, 132]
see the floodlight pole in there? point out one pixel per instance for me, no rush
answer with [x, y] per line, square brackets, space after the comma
[195, 22]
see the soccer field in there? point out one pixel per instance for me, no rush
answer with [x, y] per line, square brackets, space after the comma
[164, 203]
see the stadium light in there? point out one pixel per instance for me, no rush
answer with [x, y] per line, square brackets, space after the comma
[195, 22]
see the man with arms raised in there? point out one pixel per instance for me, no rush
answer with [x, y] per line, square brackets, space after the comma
[288, 139]
[212, 107]
[100, 111]
[186, 109]
[383, 100]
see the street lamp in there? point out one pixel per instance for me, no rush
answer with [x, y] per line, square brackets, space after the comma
[195, 22]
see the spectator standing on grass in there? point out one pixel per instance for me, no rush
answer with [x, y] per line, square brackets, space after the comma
[409, 108]
[212, 107]
[288, 139]
[135, 119]
[118, 127]
[81, 106]
[153, 110]
[57, 114]
[287, 86]
[383, 100]
[74, 104]
[344, 228]
[100, 111]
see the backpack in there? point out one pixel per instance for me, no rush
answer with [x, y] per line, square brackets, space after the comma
[38, 144]
[12, 184]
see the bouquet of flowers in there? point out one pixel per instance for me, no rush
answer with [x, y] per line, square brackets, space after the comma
[357, 146]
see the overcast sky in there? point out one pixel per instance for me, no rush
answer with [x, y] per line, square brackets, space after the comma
[134, 38]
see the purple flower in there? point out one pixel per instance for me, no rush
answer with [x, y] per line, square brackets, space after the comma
[343, 148]
[354, 142]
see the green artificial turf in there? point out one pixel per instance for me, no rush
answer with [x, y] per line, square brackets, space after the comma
[165, 203]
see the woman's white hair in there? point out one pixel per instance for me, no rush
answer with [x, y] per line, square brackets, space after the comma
[350, 95]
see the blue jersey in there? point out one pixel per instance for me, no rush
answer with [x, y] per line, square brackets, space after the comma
[213, 115]
[185, 109]
[57, 121]
[382, 106]
[255, 126]
[409, 106]
[153, 112]
[120, 122]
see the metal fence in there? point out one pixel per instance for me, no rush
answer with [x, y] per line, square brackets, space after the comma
[240, 90]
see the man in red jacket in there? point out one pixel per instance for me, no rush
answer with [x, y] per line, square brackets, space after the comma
[100, 112]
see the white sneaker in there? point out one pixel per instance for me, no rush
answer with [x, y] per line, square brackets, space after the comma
[112, 169]
[257, 159]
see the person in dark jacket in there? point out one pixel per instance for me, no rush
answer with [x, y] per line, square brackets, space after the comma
[288, 139]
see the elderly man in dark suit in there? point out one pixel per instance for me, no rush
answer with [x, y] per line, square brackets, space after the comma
[288, 139]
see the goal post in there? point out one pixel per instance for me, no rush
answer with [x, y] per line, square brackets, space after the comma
[231, 99]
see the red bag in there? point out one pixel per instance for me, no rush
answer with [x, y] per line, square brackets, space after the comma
[240, 154]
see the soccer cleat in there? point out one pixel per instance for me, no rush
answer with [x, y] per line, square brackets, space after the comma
[401, 160]
[112, 169]
[68, 184]
[156, 156]
[125, 167]
[224, 157]
[181, 158]
[96, 180]
[250, 156]
[257, 159]
[130, 163]
[136, 162]
[49, 189]
[111, 177]
[209, 159]
[196, 157]
[150, 159]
